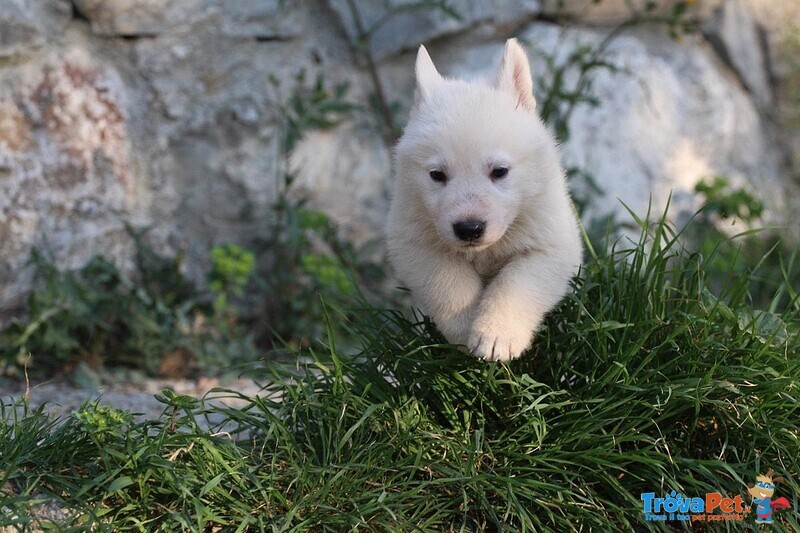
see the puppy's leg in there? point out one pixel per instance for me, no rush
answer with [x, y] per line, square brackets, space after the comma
[445, 287]
[514, 304]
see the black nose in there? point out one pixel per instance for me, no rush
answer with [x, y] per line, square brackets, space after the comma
[469, 230]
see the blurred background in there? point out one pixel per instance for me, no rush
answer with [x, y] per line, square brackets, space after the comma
[180, 181]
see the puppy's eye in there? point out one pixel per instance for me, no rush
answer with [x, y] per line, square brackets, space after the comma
[499, 172]
[438, 175]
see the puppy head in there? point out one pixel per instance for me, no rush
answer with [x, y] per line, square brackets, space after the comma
[471, 150]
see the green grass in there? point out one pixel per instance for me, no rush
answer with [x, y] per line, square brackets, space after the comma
[642, 381]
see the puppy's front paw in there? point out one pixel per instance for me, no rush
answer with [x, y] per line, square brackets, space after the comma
[499, 342]
[455, 330]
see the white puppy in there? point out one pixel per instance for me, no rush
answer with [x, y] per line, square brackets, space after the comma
[481, 227]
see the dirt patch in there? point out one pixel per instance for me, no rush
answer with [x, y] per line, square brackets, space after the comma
[62, 397]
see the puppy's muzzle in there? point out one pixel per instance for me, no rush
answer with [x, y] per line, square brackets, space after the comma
[469, 230]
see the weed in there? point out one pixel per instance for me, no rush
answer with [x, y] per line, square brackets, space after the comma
[312, 107]
[760, 255]
[385, 110]
[725, 202]
[232, 268]
[311, 263]
[308, 260]
[99, 316]
[92, 314]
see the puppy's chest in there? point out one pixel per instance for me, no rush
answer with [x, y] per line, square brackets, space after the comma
[487, 266]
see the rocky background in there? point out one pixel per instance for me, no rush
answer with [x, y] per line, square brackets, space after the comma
[171, 115]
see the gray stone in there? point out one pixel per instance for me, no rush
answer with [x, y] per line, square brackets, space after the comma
[18, 30]
[612, 12]
[86, 378]
[739, 40]
[140, 17]
[266, 20]
[179, 132]
[50, 16]
[61, 399]
[342, 167]
[260, 19]
[667, 118]
[781, 23]
[65, 145]
[399, 25]
[215, 161]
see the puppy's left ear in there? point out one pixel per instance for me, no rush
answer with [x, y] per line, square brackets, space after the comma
[428, 78]
[514, 76]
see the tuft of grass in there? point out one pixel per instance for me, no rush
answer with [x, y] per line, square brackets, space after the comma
[643, 380]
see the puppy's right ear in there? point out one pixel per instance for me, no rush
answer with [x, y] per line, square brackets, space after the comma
[514, 76]
[428, 78]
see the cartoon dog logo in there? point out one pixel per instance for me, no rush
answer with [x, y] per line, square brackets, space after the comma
[762, 491]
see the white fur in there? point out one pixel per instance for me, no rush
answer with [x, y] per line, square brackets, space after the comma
[491, 294]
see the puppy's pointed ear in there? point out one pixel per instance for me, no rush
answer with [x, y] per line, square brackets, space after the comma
[514, 76]
[428, 78]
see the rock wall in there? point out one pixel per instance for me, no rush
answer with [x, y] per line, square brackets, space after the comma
[168, 114]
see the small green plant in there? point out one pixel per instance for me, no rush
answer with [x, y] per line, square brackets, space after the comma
[225, 337]
[760, 255]
[312, 107]
[99, 316]
[567, 83]
[311, 263]
[101, 422]
[231, 269]
[308, 259]
[92, 314]
[726, 202]
[160, 276]
[559, 97]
